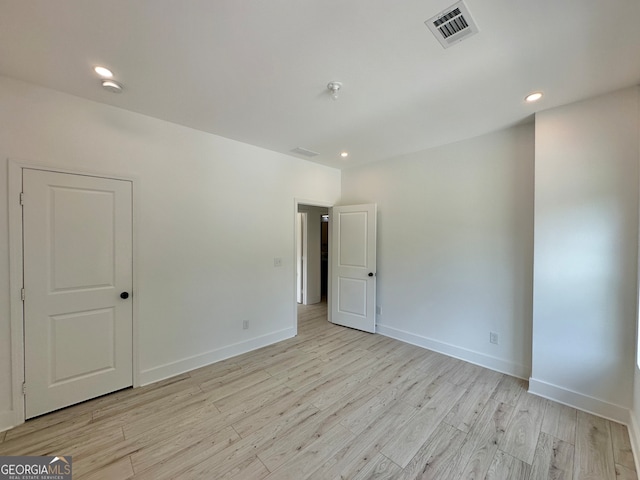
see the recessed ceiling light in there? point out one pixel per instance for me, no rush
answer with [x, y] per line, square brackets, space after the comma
[103, 72]
[111, 86]
[533, 97]
[344, 154]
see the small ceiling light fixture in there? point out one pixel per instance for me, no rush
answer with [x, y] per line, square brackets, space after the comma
[344, 154]
[111, 86]
[334, 88]
[533, 97]
[103, 72]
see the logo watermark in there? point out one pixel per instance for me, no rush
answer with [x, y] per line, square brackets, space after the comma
[35, 468]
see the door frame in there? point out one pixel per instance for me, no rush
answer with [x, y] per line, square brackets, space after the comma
[311, 203]
[16, 276]
[301, 257]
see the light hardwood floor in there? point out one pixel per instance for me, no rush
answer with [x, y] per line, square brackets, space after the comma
[332, 403]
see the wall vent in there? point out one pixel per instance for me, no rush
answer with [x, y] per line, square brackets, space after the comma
[304, 152]
[452, 25]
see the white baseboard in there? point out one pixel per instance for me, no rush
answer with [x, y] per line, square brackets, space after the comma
[191, 363]
[9, 419]
[477, 358]
[634, 435]
[580, 401]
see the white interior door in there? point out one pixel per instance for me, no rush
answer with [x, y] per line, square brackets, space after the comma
[353, 266]
[77, 263]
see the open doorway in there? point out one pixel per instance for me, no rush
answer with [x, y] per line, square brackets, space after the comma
[312, 254]
[350, 254]
[324, 257]
[312, 262]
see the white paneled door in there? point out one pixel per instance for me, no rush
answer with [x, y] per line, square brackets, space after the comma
[77, 281]
[353, 266]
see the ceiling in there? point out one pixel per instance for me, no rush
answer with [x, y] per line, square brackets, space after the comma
[257, 71]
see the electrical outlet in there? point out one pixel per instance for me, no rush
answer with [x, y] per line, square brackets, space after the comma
[277, 262]
[493, 338]
[245, 325]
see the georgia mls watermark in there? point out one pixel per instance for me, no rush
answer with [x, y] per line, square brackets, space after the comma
[35, 468]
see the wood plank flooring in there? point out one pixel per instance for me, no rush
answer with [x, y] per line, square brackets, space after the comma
[332, 403]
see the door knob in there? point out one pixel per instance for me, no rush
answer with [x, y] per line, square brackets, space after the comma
[124, 295]
[371, 274]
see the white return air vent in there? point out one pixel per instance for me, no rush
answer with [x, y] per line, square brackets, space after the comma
[452, 25]
[304, 152]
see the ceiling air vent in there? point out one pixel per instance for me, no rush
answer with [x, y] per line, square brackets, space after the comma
[452, 25]
[304, 152]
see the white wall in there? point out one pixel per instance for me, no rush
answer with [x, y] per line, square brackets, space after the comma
[455, 246]
[586, 246]
[212, 215]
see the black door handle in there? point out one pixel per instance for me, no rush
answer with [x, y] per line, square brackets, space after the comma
[124, 295]
[371, 274]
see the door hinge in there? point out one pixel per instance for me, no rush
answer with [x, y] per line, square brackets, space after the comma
[21, 198]
[22, 294]
[24, 388]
